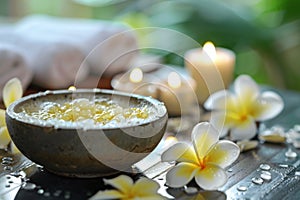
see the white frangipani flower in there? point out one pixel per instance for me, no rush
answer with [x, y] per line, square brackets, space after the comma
[12, 91]
[238, 112]
[204, 160]
[126, 189]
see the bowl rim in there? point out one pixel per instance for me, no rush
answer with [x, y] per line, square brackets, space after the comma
[161, 109]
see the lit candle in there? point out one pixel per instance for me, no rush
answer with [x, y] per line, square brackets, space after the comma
[136, 75]
[135, 81]
[177, 94]
[212, 68]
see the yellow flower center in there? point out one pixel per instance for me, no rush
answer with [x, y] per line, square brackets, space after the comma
[203, 162]
[243, 117]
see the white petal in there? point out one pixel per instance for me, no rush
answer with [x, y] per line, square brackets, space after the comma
[246, 88]
[4, 137]
[246, 145]
[181, 174]
[107, 194]
[244, 131]
[12, 91]
[272, 103]
[223, 154]
[204, 135]
[211, 177]
[13, 148]
[145, 187]
[217, 100]
[2, 118]
[152, 197]
[218, 121]
[181, 152]
[122, 183]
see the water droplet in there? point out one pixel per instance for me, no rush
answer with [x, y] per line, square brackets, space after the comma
[257, 180]
[230, 170]
[297, 173]
[67, 195]
[266, 172]
[57, 193]
[266, 175]
[5, 162]
[290, 154]
[283, 166]
[297, 127]
[40, 191]
[190, 190]
[7, 159]
[47, 194]
[242, 188]
[265, 167]
[8, 168]
[29, 186]
[296, 143]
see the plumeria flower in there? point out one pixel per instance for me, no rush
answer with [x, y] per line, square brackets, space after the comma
[204, 159]
[237, 113]
[12, 91]
[126, 189]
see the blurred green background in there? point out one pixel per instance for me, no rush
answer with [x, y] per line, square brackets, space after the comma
[264, 34]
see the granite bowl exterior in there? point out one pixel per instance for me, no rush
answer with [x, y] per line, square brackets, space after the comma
[84, 152]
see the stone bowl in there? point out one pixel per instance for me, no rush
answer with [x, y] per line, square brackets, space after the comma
[83, 151]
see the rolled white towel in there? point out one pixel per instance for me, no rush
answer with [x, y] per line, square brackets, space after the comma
[12, 64]
[55, 64]
[109, 47]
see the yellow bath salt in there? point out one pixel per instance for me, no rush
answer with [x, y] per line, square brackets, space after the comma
[100, 111]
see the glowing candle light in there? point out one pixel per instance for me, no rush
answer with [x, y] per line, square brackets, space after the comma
[135, 81]
[177, 94]
[136, 75]
[174, 80]
[210, 49]
[211, 67]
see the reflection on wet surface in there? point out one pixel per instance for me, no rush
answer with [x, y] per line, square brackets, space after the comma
[270, 171]
[265, 173]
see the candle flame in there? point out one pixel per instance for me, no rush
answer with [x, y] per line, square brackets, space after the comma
[136, 75]
[210, 49]
[72, 88]
[174, 80]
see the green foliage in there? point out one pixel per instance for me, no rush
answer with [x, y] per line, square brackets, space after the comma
[250, 29]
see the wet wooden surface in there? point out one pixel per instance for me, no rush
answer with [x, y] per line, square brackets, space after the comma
[284, 184]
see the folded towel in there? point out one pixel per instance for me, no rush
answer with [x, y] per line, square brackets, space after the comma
[12, 64]
[55, 64]
[109, 47]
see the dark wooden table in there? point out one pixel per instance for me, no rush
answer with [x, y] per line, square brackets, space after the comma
[284, 184]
